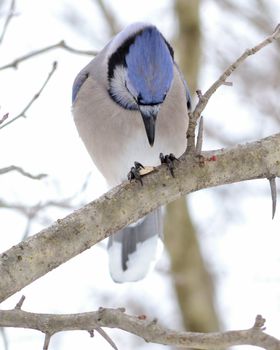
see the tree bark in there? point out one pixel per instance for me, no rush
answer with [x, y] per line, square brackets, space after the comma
[66, 238]
[145, 328]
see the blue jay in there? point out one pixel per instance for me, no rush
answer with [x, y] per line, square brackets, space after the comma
[130, 103]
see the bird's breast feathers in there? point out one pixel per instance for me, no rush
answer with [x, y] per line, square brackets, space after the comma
[115, 137]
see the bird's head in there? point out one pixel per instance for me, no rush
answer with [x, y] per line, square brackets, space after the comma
[141, 73]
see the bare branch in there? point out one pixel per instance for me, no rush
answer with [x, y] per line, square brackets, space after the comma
[32, 211]
[203, 99]
[4, 338]
[109, 17]
[22, 172]
[8, 19]
[60, 45]
[20, 303]
[47, 341]
[106, 337]
[99, 219]
[199, 140]
[228, 83]
[272, 183]
[143, 327]
[35, 97]
[5, 116]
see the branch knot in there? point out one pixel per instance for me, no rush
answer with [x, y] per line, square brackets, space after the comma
[259, 323]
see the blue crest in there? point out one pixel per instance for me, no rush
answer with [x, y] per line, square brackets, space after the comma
[150, 66]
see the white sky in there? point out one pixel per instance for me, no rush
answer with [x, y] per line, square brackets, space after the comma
[243, 256]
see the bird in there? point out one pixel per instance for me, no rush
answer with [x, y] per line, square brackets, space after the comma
[130, 104]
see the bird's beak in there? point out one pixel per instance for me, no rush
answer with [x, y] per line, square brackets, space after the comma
[149, 116]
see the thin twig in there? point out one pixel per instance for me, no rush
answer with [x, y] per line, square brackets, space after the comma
[204, 98]
[47, 341]
[228, 83]
[22, 172]
[106, 337]
[22, 114]
[19, 304]
[33, 211]
[28, 225]
[8, 19]
[60, 45]
[5, 116]
[110, 17]
[4, 338]
[272, 183]
[199, 139]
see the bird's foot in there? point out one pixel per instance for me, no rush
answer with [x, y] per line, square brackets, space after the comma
[134, 173]
[169, 160]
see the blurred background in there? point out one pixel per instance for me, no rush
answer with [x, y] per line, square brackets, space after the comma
[221, 264]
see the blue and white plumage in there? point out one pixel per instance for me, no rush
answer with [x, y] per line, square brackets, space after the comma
[130, 103]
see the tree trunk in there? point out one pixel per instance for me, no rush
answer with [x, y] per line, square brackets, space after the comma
[192, 281]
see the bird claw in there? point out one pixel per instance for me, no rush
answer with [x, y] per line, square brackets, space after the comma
[134, 173]
[169, 160]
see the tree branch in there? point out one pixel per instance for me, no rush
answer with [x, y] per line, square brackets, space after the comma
[110, 17]
[4, 117]
[128, 202]
[22, 114]
[22, 172]
[123, 205]
[4, 338]
[204, 98]
[8, 19]
[147, 329]
[60, 45]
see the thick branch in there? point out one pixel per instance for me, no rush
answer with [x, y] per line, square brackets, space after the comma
[147, 329]
[127, 203]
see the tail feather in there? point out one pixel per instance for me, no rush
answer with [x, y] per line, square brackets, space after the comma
[133, 249]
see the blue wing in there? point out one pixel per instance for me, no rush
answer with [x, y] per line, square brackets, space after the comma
[78, 82]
